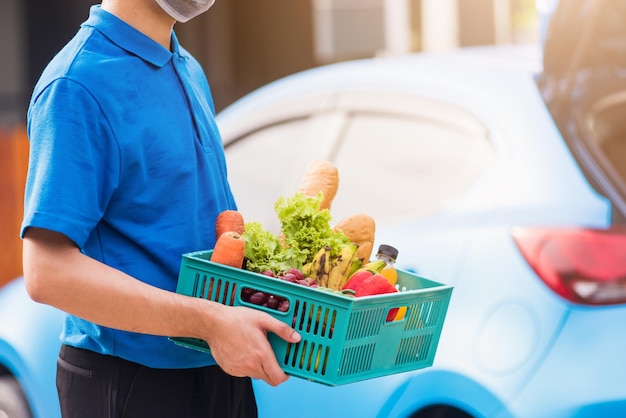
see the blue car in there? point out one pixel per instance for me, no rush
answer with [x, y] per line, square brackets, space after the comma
[499, 170]
[29, 344]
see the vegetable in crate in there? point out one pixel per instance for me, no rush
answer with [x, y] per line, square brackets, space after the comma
[368, 283]
[305, 229]
[229, 250]
[229, 220]
[264, 251]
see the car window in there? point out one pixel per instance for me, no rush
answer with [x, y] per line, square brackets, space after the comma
[258, 164]
[268, 162]
[399, 156]
[396, 167]
[607, 130]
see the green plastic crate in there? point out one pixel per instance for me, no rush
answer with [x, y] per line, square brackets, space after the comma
[359, 344]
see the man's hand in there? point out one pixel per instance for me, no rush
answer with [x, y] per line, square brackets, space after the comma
[240, 347]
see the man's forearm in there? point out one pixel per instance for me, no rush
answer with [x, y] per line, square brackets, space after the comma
[58, 274]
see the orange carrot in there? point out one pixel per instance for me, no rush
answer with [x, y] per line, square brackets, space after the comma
[229, 249]
[229, 220]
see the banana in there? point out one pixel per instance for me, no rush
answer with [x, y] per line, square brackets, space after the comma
[340, 266]
[306, 269]
[356, 264]
[375, 266]
[320, 266]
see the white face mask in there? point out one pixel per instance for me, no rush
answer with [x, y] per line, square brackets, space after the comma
[184, 10]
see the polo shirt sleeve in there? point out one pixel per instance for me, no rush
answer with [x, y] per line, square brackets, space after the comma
[74, 162]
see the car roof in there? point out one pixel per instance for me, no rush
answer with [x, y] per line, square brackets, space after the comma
[470, 78]
[387, 71]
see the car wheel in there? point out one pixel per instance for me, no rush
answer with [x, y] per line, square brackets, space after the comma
[13, 403]
[441, 411]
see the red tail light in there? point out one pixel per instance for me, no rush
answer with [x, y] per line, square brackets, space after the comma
[586, 266]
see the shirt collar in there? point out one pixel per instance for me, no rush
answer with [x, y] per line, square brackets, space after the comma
[129, 38]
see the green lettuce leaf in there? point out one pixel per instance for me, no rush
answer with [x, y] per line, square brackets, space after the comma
[306, 227]
[304, 230]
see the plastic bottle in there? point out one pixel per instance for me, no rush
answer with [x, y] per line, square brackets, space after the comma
[389, 255]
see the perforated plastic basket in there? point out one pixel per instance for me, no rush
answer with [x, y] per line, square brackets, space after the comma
[344, 339]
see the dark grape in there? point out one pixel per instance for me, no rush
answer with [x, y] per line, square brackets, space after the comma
[284, 305]
[272, 302]
[246, 292]
[258, 298]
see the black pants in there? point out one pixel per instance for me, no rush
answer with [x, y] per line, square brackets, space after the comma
[93, 385]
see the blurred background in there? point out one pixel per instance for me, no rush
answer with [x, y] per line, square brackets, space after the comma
[242, 45]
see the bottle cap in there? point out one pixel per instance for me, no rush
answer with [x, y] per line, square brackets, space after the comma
[388, 250]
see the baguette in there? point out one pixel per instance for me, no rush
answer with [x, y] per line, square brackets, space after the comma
[320, 176]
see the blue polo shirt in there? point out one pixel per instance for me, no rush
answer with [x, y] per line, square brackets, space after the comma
[127, 161]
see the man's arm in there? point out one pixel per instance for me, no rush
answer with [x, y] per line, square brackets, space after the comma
[58, 274]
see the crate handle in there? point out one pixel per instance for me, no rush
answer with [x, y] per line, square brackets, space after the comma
[395, 314]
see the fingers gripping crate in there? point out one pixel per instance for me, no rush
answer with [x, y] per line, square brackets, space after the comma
[344, 339]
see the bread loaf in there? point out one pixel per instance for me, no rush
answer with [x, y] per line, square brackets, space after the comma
[320, 176]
